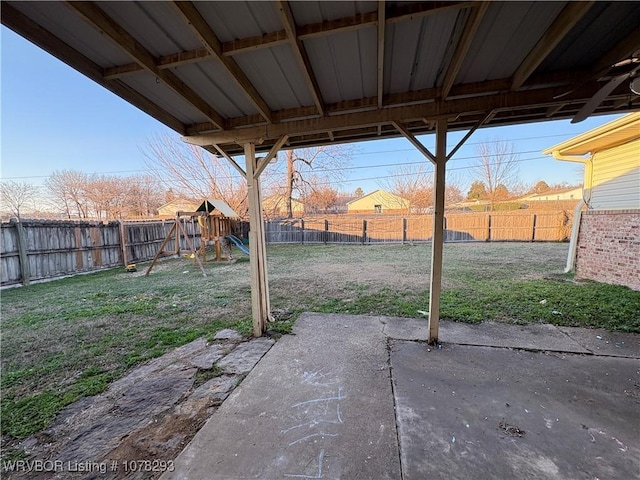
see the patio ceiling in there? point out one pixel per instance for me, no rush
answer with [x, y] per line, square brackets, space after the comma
[322, 72]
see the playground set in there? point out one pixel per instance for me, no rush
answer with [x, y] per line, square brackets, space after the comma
[214, 218]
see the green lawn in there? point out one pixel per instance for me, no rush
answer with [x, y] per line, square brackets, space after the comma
[70, 338]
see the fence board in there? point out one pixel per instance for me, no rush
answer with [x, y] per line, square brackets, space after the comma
[459, 227]
[54, 248]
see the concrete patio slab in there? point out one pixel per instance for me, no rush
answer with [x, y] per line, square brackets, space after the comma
[479, 412]
[529, 337]
[318, 405]
[350, 397]
[601, 342]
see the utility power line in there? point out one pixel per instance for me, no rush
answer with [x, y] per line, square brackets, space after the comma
[354, 154]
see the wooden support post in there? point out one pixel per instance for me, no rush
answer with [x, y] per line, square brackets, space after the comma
[161, 249]
[364, 232]
[404, 230]
[302, 231]
[180, 229]
[257, 252]
[123, 243]
[22, 252]
[438, 230]
[326, 231]
[177, 239]
[533, 227]
[216, 235]
[266, 302]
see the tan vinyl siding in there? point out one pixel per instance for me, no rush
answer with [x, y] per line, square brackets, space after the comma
[616, 178]
[378, 201]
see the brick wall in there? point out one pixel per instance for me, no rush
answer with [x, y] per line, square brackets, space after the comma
[609, 247]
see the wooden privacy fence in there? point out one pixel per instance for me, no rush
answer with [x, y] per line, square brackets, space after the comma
[33, 250]
[459, 227]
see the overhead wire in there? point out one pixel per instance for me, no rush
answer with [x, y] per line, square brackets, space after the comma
[353, 154]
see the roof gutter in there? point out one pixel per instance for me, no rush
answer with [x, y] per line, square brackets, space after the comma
[577, 213]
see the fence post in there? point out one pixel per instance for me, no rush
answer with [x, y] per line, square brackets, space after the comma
[364, 231]
[123, 243]
[488, 227]
[22, 251]
[404, 230]
[326, 231]
[533, 228]
[302, 231]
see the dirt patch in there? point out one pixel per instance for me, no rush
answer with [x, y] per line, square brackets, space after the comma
[159, 442]
[143, 421]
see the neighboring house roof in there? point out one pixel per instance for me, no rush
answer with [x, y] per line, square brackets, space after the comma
[468, 203]
[343, 200]
[562, 192]
[280, 200]
[381, 194]
[610, 135]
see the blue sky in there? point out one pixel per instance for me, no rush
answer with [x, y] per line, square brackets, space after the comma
[54, 118]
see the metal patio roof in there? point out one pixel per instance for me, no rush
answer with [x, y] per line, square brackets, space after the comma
[340, 71]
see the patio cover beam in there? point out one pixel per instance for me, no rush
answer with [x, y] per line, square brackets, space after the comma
[437, 239]
[300, 52]
[563, 24]
[469, 33]
[203, 31]
[439, 161]
[103, 23]
[381, 31]
[260, 303]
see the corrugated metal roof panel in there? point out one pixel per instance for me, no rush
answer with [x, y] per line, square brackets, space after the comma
[165, 98]
[505, 37]
[615, 20]
[401, 43]
[276, 76]
[414, 51]
[433, 55]
[234, 20]
[350, 60]
[421, 38]
[156, 25]
[75, 32]
[216, 86]
[314, 12]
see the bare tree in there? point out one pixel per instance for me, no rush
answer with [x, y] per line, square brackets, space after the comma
[192, 172]
[321, 199]
[143, 196]
[497, 165]
[453, 191]
[413, 183]
[16, 195]
[540, 187]
[107, 196]
[67, 189]
[307, 169]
